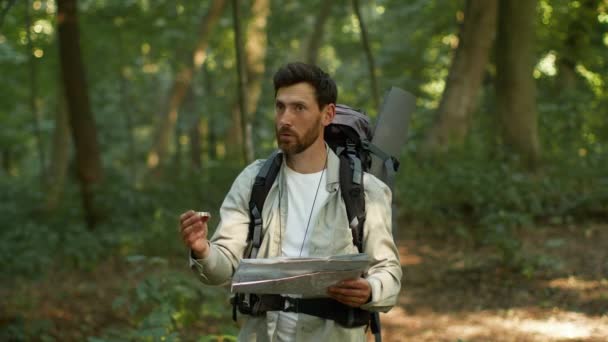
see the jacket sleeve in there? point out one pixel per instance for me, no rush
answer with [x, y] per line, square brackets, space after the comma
[385, 272]
[229, 241]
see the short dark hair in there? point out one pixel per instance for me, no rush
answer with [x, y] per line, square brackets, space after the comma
[289, 74]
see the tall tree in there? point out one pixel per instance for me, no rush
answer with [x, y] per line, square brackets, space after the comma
[7, 160]
[311, 48]
[241, 112]
[125, 100]
[459, 98]
[60, 149]
[370, 57]
[578, 35]
[82, 123]
[181, 84]
[515, 86]
[252, 64]
[211, 134]
[34, 92]
[196, 151]
[255, 55]
[194, 131]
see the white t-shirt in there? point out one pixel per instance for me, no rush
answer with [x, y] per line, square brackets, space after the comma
[301, 190]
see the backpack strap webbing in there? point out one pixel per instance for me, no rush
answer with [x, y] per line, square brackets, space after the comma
[353, 194]
[250, 303]
[261, 186]
[390, 163]
[351, 186]
[326, 308]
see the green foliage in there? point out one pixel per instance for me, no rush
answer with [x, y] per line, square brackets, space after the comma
[132, 52]
[487, 200]
[163, 304]
[21, 330]
[30, 243]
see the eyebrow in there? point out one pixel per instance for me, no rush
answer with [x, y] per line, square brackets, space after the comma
[302, 103]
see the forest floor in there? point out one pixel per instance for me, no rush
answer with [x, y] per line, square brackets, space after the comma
[451, 292]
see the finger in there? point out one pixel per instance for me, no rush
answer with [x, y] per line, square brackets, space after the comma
[194, 228]
[193, 220]
[348, 292]
[351, 299]
[186, 215]
[191, 239]
[187, 230]
[354, 283]
[200, 234]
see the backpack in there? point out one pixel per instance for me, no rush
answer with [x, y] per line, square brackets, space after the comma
[349, 136]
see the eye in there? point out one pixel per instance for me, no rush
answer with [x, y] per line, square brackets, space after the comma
[299, 107]
[279, 107]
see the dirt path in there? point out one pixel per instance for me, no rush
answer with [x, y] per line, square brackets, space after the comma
[451, 292]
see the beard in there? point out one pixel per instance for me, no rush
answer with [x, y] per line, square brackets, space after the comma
[295, 144]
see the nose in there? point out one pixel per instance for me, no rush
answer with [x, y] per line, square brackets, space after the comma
[285, 118]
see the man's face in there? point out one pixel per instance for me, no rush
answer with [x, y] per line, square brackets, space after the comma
[299, 121]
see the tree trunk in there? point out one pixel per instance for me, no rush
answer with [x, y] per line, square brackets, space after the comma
[183, 80]
[129, 127]
[311, 49]
[240, 114]
[82, 123]
[177, 157]
[33, 75]
[515, 87]
[211, 133]
[195, 144]
[464, 79]
[255, 55]
[59, 156]
[194, 130]
[7, 161]
[578, 36]
[370, 56]
[125, 101]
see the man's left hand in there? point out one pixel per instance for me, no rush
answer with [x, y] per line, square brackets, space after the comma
[352, 292]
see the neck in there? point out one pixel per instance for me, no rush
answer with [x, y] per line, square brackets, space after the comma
[310, 160]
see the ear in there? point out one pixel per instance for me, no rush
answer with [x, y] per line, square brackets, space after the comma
[329, 112]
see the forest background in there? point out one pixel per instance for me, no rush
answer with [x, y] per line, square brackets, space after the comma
[116, 116]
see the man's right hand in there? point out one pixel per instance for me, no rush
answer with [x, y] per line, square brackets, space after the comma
[193, 228]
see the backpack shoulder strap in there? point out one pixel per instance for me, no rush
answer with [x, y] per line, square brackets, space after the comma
[261, 186]
[351, 187]
[353, 194]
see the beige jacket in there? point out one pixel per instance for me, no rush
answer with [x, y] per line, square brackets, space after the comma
[330, 236]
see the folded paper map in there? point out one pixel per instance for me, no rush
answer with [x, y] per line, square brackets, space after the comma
[306, 277]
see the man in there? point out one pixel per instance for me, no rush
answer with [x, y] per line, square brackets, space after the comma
[303, 215]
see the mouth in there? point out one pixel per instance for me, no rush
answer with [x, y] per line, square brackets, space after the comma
[285, 134]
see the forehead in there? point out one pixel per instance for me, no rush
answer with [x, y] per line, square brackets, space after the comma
[299, 92]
